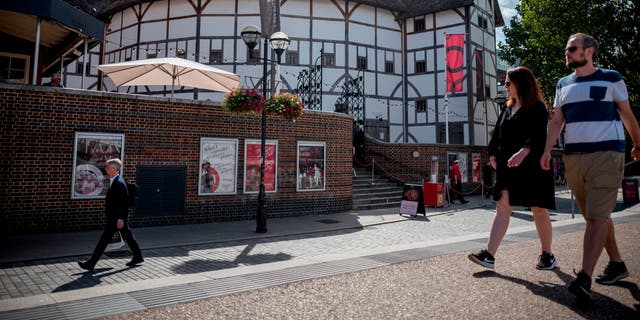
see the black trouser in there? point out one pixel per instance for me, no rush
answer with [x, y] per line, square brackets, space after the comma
[456, 191]
[109, 229]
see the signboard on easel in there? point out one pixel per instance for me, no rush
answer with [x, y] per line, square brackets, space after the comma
[412, 201]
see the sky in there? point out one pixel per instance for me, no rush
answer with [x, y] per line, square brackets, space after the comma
[508, 8]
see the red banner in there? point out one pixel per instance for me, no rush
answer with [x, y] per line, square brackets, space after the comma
[455, 59]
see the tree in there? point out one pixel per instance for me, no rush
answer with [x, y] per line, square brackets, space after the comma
[538, 34]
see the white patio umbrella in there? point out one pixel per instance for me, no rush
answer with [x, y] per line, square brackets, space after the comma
[170, 71]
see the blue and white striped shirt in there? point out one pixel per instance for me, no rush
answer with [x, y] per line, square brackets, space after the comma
[589, 107]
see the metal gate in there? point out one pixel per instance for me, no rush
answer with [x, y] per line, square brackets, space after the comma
[310, 85]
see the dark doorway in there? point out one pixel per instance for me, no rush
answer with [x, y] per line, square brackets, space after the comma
[162, 190]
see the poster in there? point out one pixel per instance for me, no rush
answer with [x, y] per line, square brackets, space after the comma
[462, 165]
[311, 166]
[252, 152]
[412, 201]
[477, 166]
[217, 166]
[91, 152]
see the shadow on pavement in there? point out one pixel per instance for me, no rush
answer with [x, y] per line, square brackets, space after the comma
[88, 279]
[602, 307]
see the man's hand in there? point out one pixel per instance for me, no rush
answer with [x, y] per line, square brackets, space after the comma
[120, 224]
[635, 153]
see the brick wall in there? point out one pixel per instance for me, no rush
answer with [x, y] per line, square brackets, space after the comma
[38, 128]
[411, 163]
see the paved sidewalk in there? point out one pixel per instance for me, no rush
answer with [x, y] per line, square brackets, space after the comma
[40, 278]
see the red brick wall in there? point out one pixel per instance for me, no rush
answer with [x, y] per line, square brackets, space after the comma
[397, 160]
[38, 128]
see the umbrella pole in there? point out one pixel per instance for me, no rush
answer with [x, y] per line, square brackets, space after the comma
[173, 81]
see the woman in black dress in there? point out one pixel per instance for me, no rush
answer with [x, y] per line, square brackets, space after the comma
[515, 147]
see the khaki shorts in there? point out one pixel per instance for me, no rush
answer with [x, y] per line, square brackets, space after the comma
[594, 179]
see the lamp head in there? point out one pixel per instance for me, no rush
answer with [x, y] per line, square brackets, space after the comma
[279, 43]
[251, 36]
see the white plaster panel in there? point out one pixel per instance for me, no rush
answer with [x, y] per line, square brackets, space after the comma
[328, 9]
[153, 31]
[220, 6]
[216, 26]
[448, 17]
[328, 30]
[389, 39]
[128, 17]
[395, 133]
[395, 115]
[421, 118]
[295, 27]
[228, 53]
[130, 36]
[157, 10]
[387, 20]
[112, 41]
[361, 34]
[181, 28]
[181, 9]
[248, 21]
[387, 83]
[116, 21]
[295, 7]
[420, 40]
[363, 13]
[423, 134]
[252, 7]
[340, 55]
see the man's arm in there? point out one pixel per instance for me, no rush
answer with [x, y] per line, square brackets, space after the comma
[553, 132]
[631, 124]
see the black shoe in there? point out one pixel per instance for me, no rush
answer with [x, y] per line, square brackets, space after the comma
[483, 258]
[87, 265]
[547, 261]
[464, 201]
[612, 273]
[581, 287]
[135, 261]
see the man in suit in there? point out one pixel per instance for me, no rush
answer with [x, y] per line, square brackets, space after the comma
[117, 213]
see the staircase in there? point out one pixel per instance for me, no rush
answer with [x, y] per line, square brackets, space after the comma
[383, 193]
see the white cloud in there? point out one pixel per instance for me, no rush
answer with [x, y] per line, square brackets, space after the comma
[508, 9]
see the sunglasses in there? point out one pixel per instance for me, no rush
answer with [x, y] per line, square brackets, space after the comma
[571, 49]
[507, 84]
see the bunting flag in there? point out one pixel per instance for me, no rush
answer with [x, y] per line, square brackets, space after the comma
[455, 59]
[269, 17]
[479, 75]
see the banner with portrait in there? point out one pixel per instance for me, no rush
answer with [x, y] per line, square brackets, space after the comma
[217, 166]
[252, 152]
[311, 166]
[91, 152]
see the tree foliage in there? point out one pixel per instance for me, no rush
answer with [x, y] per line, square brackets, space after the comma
[539, 33]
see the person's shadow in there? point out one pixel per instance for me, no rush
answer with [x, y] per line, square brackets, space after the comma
[602, 307]
[88, 279]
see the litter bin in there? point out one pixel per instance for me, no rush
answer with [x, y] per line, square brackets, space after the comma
[433, 194]
[630, 191]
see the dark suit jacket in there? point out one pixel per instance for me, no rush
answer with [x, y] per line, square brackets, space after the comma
[117, 201]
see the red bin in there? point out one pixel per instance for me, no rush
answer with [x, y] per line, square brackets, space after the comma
[433, 194]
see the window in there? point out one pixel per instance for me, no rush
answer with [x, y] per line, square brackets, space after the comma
[328, 59]
[215, 57]
[291, 58]
[152, 55]
[421, 66]
[421, 105]
[362, 63]
[482, 22]
[14, 68]
[87, 69]
[180, 54]
[418, 25]
[388, 66]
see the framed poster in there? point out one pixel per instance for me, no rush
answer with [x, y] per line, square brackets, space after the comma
[252, 165]
[218, 166]
[90, 154]
[311, 166]
[477, 166]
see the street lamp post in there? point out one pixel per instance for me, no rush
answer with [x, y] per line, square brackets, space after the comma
[279, 43]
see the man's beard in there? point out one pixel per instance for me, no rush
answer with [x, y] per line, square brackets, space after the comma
[577, 63]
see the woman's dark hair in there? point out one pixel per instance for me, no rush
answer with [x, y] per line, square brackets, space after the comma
[529, 92]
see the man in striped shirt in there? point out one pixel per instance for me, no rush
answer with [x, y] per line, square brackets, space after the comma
[593, 105]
